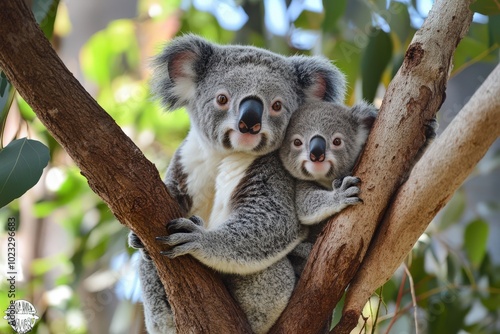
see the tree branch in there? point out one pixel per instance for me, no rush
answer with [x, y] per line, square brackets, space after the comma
[114, 167]
[432, 182]
[412, 99]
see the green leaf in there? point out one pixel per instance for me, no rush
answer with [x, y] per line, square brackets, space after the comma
[337, 311]
[334, 10]
[7, 92]
[486, 7]
[23, 161]
[45, 14]
[494, 30]
[453, 211]
[446, 317]
[375, 58]
[25, 109]
[475, 238]
[358, 13]
[468, 51]
[399, 20]
[347, 57]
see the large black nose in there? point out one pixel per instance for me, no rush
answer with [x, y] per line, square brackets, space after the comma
[317, 148]
[251, 110]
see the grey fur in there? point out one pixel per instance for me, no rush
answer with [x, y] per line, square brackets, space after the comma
[322, 193]
[243, 199]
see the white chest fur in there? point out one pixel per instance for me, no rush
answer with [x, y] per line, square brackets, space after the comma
[201, 166]
[230, 172]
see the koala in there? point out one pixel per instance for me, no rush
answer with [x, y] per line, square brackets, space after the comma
[321, 146]
[227, 175]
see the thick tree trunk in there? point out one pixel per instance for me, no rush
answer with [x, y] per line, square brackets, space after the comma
[432, 182]
[412, 99]
[114, 167]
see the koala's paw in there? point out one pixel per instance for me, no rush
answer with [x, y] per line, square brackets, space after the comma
[431, 127]
[185, 236]
[346, 190]
[136, 243]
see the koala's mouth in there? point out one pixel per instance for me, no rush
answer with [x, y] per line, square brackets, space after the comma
[318, 170]
[246, 142]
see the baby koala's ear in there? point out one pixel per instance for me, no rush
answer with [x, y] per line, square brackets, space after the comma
[319, 78]
[177, 69]
[366, 113]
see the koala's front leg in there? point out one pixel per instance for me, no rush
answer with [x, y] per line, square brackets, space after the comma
[315, 204]
[237, 247]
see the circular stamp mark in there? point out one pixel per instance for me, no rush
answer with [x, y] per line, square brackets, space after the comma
[21, 316]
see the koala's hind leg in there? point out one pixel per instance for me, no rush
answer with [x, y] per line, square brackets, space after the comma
[157, 311]
[264, 295]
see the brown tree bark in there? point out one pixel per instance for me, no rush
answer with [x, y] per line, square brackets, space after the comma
[432, 182]
[115, 168]
[412, 99]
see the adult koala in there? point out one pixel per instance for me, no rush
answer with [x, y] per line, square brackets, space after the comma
[227, 171]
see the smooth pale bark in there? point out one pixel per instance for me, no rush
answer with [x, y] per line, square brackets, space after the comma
[131, 186]
[115, 168]
[413, 98]
[432, 182]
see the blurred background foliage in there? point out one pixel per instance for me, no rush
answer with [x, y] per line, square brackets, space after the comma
[73, 259]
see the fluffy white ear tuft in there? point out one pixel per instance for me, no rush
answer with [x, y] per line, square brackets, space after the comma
[318, 89]
[182, 74]
[177, 69]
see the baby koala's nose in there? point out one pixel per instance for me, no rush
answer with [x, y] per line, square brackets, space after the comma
[317, 149]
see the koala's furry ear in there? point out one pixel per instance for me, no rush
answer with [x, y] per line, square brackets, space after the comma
[366, 113]
[177, 69]
[319, 78]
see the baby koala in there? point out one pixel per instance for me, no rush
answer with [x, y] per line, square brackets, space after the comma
[321, 147]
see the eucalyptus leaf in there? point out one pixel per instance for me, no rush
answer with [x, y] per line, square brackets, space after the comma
[486, 7]
[359, 13]
[45, 14]
[348, 58]
[453, 211]
[398, 18]
[494, 30]
[21, 166]
[475, 239]
[375, 58]
[468, 51]
[334, 10]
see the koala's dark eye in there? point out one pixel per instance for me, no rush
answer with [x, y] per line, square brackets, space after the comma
[277, 106]
[297, 142]
[337, 141]
[222, 99]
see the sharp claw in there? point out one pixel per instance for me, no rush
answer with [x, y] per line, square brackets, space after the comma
[168, 254]
[165, 238]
